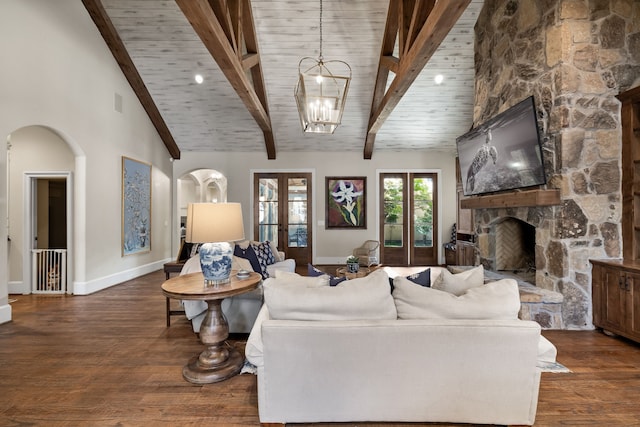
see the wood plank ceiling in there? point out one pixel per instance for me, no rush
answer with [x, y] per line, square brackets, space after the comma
[256, 45]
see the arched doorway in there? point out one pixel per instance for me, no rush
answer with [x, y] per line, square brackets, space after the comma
[198, 186]
[40, 167]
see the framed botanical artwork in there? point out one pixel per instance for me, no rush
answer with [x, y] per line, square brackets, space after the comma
[136, 206]
[346, 202]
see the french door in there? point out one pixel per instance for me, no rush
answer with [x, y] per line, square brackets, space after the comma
[409, 220]
[282, 204]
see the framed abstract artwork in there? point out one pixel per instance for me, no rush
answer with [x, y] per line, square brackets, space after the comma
[136, 206]
[346, 202]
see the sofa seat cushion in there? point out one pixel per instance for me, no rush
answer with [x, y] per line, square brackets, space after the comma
[499, 300]
[365, 298]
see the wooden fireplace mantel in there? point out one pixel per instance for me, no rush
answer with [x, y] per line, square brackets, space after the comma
[514, 199]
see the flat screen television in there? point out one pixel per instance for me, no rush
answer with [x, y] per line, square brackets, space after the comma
[503, 153]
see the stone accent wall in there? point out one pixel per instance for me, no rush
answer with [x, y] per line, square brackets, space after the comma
[574, 56]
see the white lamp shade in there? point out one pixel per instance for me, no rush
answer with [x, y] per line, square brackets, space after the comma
[214, 222]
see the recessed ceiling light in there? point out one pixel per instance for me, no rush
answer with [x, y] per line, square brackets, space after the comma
[199, 78]
[438, 79]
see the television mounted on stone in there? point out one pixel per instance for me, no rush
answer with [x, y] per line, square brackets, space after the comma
[504, 153]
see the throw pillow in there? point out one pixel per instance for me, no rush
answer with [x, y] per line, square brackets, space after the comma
[264, 255]
[422, 278]
[458, 284]
[333, 280]
[365, 298]
[240, 263]
[249, 254]
[499, 300]
[275, 252]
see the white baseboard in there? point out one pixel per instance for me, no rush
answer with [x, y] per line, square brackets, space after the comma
[18, 288]
[86, 288]
[5, 313]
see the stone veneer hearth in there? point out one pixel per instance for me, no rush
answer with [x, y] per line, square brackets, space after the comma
[574, 56]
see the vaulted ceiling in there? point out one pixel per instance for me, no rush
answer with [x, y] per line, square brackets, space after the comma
[248, 53]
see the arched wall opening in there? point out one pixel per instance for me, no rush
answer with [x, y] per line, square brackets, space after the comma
[37, 155]
[197, 186]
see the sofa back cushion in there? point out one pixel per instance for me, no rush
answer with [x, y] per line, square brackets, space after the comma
[288, 277]
[499, 300]
[458, 284]
[365, 298]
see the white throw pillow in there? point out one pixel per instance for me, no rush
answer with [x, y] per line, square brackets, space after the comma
[499, 300]
[458, 284]
[365, 298]
[241, 264]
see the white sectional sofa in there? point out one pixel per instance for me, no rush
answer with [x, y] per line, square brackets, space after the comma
[357, 352]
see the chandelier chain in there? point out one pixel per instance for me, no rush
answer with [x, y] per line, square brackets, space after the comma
[320, 57]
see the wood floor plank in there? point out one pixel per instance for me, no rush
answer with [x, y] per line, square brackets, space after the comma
[108, 359]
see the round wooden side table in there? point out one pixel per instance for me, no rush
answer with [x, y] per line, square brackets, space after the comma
[219, 360]
[343, 272]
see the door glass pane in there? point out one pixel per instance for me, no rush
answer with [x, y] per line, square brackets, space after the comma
[423, 212]
[297, 220]
[393, 212]
[268, 210]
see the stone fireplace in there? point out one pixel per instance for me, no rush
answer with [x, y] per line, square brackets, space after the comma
[512, 249]
[573, 56]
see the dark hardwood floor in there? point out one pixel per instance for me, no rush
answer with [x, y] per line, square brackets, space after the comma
[108, 359]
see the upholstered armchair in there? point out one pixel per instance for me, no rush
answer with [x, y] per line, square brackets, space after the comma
[367, 253]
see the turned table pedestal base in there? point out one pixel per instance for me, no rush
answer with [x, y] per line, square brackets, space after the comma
[219, 360]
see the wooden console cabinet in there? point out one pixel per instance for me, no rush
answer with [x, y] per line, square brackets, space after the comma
[616, 297]
[616, 284]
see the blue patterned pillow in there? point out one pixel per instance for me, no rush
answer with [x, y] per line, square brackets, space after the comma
[265, 257]
[422, 278]
[314, 272]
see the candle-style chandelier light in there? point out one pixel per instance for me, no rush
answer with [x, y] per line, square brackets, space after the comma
[320, 93]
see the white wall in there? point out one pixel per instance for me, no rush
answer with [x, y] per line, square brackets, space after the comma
[57, 72]
[330, 245]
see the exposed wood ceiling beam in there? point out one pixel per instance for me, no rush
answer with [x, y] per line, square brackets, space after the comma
[226, 28]
[119, 52]
[421, 27]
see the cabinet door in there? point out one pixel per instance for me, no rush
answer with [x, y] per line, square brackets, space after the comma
[597, 293]
[466, 252]
[613, 300]
[633, 305]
